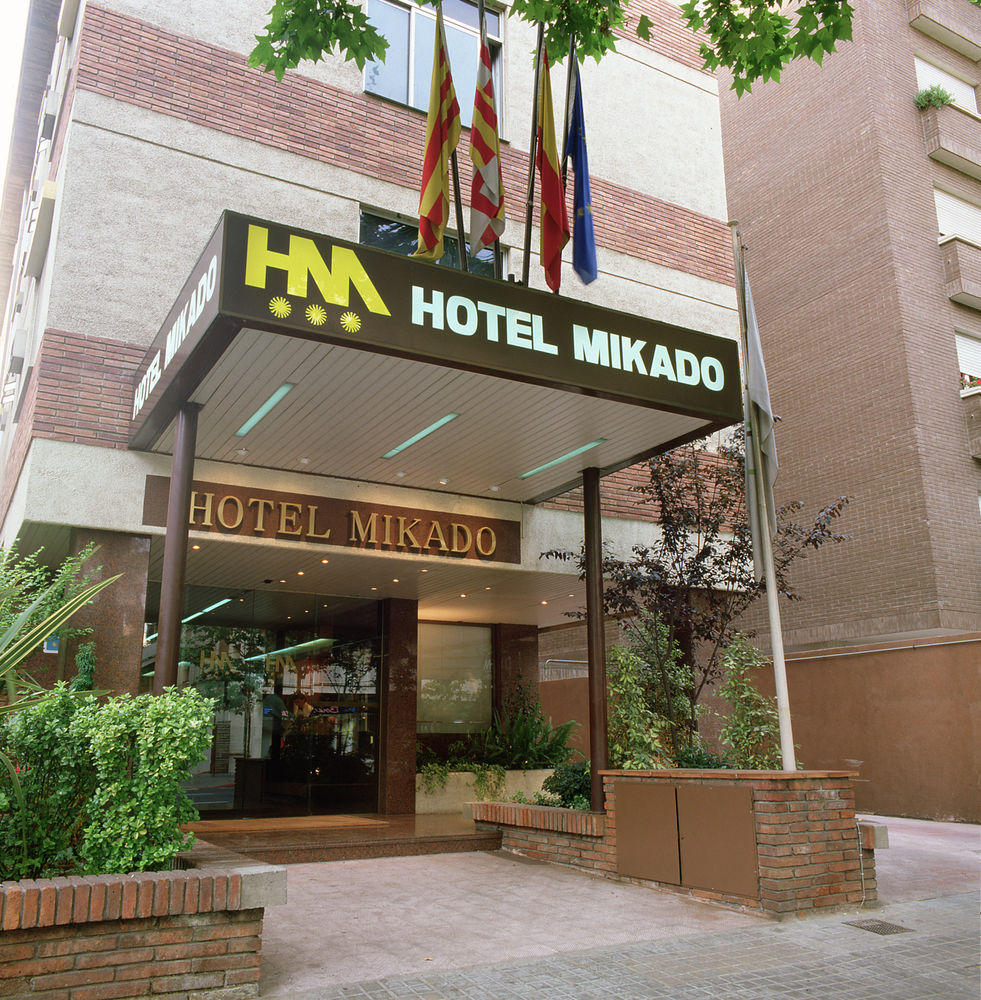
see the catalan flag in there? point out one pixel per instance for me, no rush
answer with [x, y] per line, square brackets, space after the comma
[554, 221]
[442, 135]
[583, 240]
[487, 193]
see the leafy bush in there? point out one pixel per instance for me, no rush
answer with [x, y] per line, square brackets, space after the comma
[933, 97]
[752, 730]
[634, 730]
[695, 755]
[99, 784]
[521, 737]
[570, 785]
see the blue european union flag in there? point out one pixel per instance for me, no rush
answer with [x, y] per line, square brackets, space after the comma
[583, 241]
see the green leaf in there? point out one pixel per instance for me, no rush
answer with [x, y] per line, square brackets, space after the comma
[644, 26]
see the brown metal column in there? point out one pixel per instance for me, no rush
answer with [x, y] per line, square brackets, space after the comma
[595, 638]
[175, 549]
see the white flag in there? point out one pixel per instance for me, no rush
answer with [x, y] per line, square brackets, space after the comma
[758, 402]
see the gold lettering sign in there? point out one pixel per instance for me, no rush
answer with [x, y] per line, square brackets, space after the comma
[236, 510]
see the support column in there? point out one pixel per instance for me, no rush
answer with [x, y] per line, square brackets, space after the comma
[175, 549]
[397, 721]
[595, 637]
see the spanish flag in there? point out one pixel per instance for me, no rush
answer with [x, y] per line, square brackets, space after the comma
[554, 221]
[442, 134]
[487, 192]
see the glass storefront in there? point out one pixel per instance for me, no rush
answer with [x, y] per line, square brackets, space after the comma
[295, 679]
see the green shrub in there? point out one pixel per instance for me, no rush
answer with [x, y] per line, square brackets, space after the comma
[752, 729]
[635, 731]
[100, 783]
[434, 777]
[521, 737]
[933, 97]
[695, 755]
[570, 785]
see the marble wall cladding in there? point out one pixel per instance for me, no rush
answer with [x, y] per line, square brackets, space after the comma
[397, 759]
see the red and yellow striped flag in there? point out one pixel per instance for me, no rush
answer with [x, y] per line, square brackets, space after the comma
[487, 191]
[442, 135]
[554, 221]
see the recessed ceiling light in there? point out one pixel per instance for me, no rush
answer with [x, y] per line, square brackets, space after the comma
[282, 581]
[300, 572]
[424, 571]
[562, 458]
[486, 588]
[463, 595]
[495, 489]
[395, 580]
[304, 461]
[425, 432]
[195, 547]
[400, 475]
[289, 618]
[241, 451]
[325, 561]
[443, 481]
[374, 588]
[572, 595]
[544, 602]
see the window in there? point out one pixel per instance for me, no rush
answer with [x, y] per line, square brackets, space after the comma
[406, 73]
[957, 217]
[963, 93]
[400, 237]
[455, 677]
[969, 359]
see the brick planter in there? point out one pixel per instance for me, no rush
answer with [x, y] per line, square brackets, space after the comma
[779, 842]
[193, 933]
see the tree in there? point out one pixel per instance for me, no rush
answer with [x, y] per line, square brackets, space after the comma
[693, 582]
[753, 39]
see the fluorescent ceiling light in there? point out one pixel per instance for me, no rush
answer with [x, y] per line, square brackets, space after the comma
[197, 614]
[562, 458]
[303, 647]
[264, 409]
[425, 432]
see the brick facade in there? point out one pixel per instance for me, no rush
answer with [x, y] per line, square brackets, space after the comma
[809, 847]
[133, 61]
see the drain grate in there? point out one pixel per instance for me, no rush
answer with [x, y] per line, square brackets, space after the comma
[878, 926]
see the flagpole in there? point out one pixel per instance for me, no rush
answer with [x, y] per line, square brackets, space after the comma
[565, 124]
[498, 257]
[461, 232]
[765, 504]
[533, 148]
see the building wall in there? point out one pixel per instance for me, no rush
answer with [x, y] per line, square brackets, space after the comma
[828, 175]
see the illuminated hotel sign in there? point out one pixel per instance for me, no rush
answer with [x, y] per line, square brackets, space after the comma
[269, 277]
[239, 510]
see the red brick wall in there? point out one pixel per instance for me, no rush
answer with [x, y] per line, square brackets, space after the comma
[133, 61]
[809, 849]
[108, 937]
[81, 390]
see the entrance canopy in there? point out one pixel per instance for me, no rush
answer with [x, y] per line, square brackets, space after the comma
[315, 355]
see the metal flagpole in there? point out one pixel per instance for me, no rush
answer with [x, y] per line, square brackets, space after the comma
[533, 148]
[765, 505]
[565, 124]
[461, 231]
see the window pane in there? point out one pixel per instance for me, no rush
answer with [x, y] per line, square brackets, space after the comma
[460, 10]
[400, 237]
[391, 77]
[463, 61]
[422, 62]
[455, 669]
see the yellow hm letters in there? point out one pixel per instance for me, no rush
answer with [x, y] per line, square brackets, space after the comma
[303, 261]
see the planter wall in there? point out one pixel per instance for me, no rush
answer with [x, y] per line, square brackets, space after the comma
[460, 790]
[193, 933]
[780, 842]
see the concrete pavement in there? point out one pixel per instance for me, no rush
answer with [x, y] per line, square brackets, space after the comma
[496, 927]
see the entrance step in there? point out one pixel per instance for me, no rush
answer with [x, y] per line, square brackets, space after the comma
[304, 839]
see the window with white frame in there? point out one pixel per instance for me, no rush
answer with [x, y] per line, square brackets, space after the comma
[406, 74]
[963, 92]
[958, 217]
[968, 359]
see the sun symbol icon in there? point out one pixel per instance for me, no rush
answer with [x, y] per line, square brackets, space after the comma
[351, 322]
[316, 315]
[280, 307]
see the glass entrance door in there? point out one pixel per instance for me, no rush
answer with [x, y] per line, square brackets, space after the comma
[294, 678]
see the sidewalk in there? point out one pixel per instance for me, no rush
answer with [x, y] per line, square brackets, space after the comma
[496, 927]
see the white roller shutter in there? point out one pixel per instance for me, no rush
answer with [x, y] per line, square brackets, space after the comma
[958, 217]
[962, 92]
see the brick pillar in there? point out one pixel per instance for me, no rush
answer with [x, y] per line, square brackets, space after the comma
[116, 616]
[397, 724]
